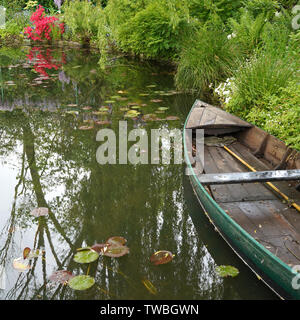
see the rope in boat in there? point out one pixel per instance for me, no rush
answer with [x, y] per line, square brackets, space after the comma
[295, 205]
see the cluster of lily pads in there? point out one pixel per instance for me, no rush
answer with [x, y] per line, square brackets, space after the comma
[114, 247]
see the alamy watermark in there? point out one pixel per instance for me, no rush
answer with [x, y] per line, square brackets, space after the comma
[296, 19]
[160, 141]
[296, 279]
[2, 17]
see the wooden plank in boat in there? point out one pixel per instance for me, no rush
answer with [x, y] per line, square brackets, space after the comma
[269, 228]
[249, 177]
[225, 163]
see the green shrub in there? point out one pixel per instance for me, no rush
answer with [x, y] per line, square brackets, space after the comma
[207, 58]
[83, 18]
[280, 115]
[205, 10]
[265, 7]
[151, 28]
[247, 32]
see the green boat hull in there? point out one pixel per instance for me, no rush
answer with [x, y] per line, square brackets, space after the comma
[269, 268]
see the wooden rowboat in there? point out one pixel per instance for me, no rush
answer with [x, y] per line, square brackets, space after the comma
[248, 186]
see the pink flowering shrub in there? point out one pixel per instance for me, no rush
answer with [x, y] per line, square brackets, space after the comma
[44, 27]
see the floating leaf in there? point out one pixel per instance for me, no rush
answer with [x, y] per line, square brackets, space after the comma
[87, 108]
[149, 286]
[124, 109]
[225, 271]
[110, 101]
[172, 118]
[86, 128]
[116, 241]
[72, 105]
[161, 257]
[102, 122]
[162, 108]
[61, 276]
[82, 282]
[35, 254]
[100, 247]
[86, 256]
[156, 100]
[116, 251]
[151, 86]
[40, 212]
[26, 252]
[21, 265]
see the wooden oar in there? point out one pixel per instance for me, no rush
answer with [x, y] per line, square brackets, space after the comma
[295, 205]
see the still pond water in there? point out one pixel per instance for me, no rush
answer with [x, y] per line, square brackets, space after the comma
[48, 96]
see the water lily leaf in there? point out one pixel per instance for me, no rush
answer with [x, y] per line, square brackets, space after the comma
[35, 254]
[116, 241]
[82, 282]
[162, 108]
[124, 109]
[86, 256]
[135, 107]
[151, 86]
[110, 101]
[149, 286]
[26, 252]
[102, 122]
[100, 247]
[156, 100]
[86, 128]
[144, 94]
[161, 257]
[72, 105]
[116, 251]
[21, 264]
[61, 276]
[226, 271]
[72, 112]
[87, 108]
[40, 212]
[172, 118]
[115, 97]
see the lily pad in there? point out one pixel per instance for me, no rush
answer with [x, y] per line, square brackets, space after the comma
[227, 271]
[172, 118]
[86, 128]
[161, 257]
[82, 282]
[102, 122]
[86, 256]
[61, 276]
[40, 212]
[156, 100]
[116, 241]
[162, 108]
[116, 251]
[100, 247]
[26, 252]
[21, 265]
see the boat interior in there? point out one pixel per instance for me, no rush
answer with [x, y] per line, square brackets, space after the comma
[253, 176]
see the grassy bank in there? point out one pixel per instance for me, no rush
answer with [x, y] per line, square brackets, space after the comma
[246, 53]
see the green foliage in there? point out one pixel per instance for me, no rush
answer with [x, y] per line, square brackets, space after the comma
[265, 7]
[281, 114]
[153, 30]
[263, 75]
[247, 32]
[207, 58]
[83, 19]
[206, 10]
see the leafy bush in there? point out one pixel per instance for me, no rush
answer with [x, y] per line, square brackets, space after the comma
[263, 75]
[207, 58]
[206, 10]
[265, 7]
[83, 18]
[281, 114]
[153, 30]
[247, 32]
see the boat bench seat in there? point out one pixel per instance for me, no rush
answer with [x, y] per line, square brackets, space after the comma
[248, 177]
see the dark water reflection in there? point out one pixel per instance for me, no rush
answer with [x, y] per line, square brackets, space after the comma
[47, 161]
